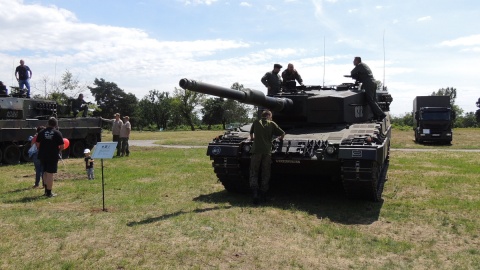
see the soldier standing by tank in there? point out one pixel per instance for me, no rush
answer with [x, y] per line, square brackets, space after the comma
[261, 133]
[50, 144]
[363, 74]
[272, 80]
[289, 76]
[23, 74]
[117, 124]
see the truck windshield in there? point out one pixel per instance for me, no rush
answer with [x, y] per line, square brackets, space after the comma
[436, 115]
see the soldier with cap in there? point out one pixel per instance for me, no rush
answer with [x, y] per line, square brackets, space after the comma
[272, 80]
[363, 74]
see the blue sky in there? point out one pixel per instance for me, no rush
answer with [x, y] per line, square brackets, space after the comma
[146, 45]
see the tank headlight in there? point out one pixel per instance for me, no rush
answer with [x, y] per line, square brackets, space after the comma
[330, 149]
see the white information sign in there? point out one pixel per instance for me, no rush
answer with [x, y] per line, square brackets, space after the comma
[104, 150]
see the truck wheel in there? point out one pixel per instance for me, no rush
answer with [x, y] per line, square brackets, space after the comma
[25, 156]
[77, 149]
[11, 154]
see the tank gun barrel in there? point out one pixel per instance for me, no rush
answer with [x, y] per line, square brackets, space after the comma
[247, 96]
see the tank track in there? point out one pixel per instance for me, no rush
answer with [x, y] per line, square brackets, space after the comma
[364, 179]
[232, 175]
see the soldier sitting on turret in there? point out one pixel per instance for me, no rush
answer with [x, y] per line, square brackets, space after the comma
[79, 105]
[3, 90]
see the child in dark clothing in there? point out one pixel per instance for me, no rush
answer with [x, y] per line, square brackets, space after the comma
[89, 164]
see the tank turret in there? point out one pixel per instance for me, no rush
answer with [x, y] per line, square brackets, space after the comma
[330, 134]
[305, 106]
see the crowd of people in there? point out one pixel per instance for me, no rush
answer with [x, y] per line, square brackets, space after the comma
[48, 142]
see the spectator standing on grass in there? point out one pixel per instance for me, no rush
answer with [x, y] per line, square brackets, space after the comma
[261, 133]
[117, 124]
[124, 135]
[33, 153]
[89, 164]
[50, 145]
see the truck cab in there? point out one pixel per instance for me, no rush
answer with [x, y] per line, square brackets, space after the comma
[433, 119]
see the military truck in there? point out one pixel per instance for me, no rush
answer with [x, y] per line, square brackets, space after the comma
[330, 135]
[433, 119]
[19, 117]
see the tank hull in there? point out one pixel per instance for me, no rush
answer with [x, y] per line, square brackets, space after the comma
[359, 164]
[20, 117]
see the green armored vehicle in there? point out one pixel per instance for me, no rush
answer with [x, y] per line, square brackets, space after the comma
[329, 135]
[19, 117]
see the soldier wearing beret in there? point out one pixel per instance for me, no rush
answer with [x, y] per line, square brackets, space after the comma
[272, 80]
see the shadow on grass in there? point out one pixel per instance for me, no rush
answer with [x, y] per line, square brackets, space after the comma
[18, 190]
[27, 199]
[178, 213]
[326, 201]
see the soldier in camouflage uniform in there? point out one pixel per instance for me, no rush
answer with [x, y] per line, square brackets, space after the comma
[363, 74]
[261, 133]
[272, 80]
[289, 76]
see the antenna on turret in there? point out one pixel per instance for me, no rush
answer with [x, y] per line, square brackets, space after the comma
[383, 59]
[323, 85]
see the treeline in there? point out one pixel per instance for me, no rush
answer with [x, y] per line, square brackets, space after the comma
[158, 110]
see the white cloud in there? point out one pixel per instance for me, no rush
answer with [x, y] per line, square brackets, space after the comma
[198, 2]
[245, 4]
[426, 18]
[471, 40]
[270, 7]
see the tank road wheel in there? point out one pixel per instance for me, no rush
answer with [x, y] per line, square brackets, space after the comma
[11, 154]
[364, 180]
[25, 156]
[77, 148]
[231, 174]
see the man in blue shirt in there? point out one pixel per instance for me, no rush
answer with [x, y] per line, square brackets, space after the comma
[23, 74]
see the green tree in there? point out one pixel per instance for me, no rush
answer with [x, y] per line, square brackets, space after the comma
[213, 111]
[467, 121]
[477, 113]
[188, 101]
[449, 91]
[111, 99]
[155, 108]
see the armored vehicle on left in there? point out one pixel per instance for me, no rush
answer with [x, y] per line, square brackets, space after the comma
[20, 116]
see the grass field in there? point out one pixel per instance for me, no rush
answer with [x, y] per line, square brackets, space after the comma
[165, 210]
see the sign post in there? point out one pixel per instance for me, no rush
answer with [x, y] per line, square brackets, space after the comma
[104, 150]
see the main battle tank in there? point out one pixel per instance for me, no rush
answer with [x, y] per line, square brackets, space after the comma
[329, 135]
[19, 117]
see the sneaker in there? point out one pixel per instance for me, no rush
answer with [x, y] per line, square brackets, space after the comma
[51, 195]
[35, 186]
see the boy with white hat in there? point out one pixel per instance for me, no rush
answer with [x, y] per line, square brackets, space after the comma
[89, 164]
